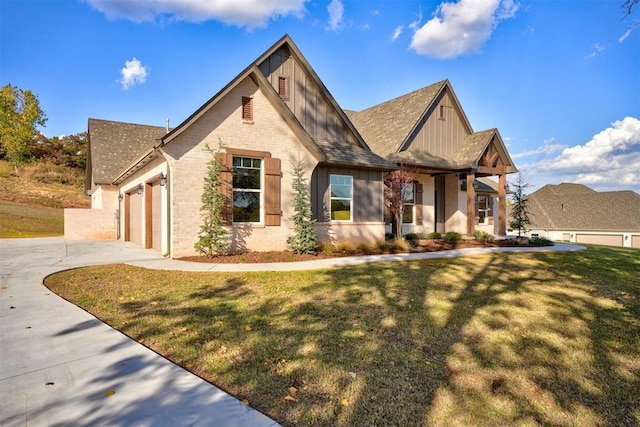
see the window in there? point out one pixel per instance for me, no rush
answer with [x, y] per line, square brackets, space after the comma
[247, 189]
[409, 197]
[283, 87]
[247, 109]
[341, 187]
[483, 210]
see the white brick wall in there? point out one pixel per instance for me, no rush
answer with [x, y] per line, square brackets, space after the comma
[188, 159]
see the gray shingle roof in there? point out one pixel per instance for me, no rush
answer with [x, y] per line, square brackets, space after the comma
[114, 145]
[385, 126]
[473, 147]
[344, 153]
[577, 207]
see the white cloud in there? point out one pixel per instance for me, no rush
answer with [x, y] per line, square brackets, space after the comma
[625, 35]
[597, 48]
[336, 14]
[396, 33]
[461, 27]
[611, 159]
[242, 13]
[133, 73]
[546, 148]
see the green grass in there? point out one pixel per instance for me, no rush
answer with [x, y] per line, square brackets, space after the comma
[500, 339]
[22, 220]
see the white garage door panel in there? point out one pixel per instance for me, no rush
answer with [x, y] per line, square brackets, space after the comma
[600, 239]
[135, 218]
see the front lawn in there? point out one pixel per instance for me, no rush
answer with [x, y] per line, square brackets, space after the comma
[500, 339]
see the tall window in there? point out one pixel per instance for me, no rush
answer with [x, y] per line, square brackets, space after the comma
[483, 209]
[247, 189]
[409, 197]
[341, 197]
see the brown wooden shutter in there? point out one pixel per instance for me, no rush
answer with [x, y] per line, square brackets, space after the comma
[226, 160]
[282, 87]
[247, 108]
[272, 211]
[419, 209]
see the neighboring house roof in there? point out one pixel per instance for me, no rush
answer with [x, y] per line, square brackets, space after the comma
[113, 145]
[577, 207]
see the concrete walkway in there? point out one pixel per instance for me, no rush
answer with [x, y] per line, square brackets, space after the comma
[61, 366]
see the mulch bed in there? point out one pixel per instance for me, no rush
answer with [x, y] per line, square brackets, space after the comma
[288, 256]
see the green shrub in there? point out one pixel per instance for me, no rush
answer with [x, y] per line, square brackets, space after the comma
[6, 169]
[435, 235]
[483, 236]
[540, 241]
[384, 246]
[452, 237]
[412, 239]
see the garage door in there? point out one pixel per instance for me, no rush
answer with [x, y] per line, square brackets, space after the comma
[600, 239]
[135, 218]
[156, 217]
[635, 242]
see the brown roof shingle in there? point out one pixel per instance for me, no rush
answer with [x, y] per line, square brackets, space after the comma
[577, 207]
[385, 126]
[113, 145]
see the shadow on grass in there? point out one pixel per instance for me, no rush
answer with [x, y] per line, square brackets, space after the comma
[501, 339]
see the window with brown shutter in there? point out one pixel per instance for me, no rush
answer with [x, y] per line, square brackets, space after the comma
[247, 109]
[283, 87]
[236, 185]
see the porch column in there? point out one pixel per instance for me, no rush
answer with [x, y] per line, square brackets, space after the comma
[471, 203]
[502, 204]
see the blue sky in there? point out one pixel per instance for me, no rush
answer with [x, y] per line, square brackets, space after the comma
[559, 79]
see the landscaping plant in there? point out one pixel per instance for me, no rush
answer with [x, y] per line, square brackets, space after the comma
[304, 240]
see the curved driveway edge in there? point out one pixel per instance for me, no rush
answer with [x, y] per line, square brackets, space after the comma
[60, 366]
[172, 264]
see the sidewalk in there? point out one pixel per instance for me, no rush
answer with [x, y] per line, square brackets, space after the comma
[59, 365]
[172, 264]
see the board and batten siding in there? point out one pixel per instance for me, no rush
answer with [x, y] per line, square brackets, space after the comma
[305, 98]
[367, 193]
[440, 136]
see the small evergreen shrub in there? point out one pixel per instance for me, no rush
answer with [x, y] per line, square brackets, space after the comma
[540, 241]
[452, 237]
[304, 239]
[483, 236]
[435, 235]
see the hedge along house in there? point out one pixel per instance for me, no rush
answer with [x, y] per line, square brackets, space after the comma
[428, 133]
[274, 113]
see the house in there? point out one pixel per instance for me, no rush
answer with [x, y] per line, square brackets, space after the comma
[428, 133]
[576, 213]
[146, 182]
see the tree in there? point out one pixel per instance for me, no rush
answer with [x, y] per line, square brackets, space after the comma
[20, 114]
[398, 185]
[520, 207]
[304, 240]
[213, 238]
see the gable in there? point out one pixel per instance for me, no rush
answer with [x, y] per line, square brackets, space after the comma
[442, 129]
[304, 94]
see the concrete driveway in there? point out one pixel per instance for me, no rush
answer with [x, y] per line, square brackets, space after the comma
[60, 366]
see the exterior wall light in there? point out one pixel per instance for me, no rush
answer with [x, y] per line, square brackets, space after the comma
[163, 179]
[140, 189]
[120, 197]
